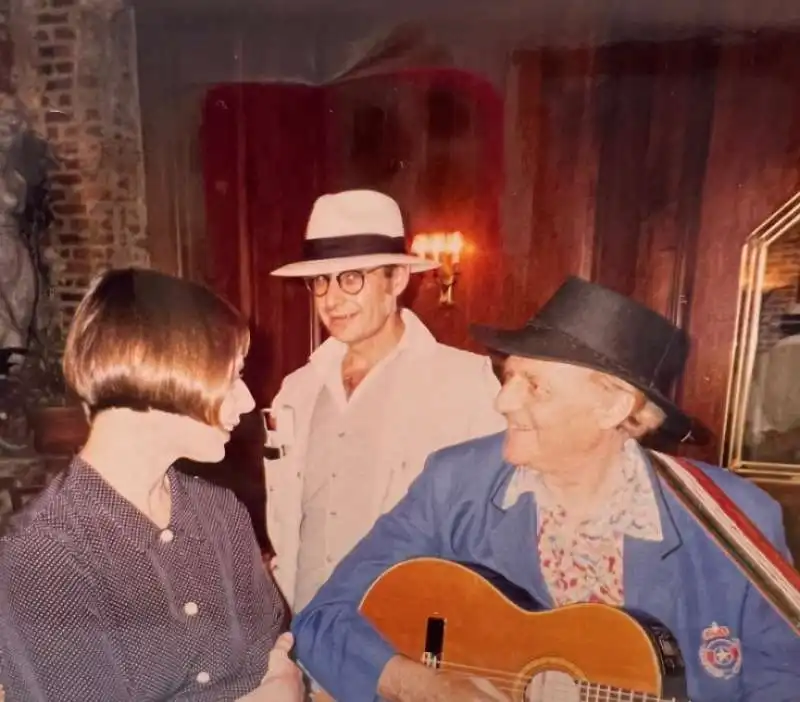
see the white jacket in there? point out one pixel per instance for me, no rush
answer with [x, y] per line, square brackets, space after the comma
[449, 398]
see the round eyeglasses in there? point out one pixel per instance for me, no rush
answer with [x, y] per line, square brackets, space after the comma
[349, 282]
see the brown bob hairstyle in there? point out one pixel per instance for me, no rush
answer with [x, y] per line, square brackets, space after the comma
[144, 340]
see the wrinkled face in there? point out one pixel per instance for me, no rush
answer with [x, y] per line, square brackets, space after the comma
[358, 304]
[555, 411]
[201, 442]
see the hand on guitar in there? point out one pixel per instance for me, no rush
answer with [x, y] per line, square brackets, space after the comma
[404, 680]
[283, 681]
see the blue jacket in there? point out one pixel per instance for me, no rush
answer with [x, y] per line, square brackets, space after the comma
[454, 511]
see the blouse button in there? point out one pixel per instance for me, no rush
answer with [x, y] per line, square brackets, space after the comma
[190, 609]
[203, 678]
[166, 536]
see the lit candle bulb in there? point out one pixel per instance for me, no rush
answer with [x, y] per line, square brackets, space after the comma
[419, 246]
[437, 246]
[455, 244]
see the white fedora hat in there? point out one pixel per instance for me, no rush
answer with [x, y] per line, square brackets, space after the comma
[353, 230]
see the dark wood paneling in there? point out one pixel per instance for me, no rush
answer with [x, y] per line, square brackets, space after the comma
[674, 172]
[626, 194]
[558, 108]
[646, 166]
[624, 106]
[441, 184]
[752, 168]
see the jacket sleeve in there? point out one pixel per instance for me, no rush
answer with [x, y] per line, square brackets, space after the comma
[259, 603]
[770, 648]
[336, 645]
[485, 419]
[53, 644]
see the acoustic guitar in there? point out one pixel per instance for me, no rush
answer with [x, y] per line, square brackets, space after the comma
[467, 620]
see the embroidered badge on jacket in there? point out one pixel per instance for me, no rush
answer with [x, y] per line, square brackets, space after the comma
[720, 653]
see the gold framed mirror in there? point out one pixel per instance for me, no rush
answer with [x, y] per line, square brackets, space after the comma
[762, 432]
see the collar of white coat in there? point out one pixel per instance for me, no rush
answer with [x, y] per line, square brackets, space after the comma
[416, 338]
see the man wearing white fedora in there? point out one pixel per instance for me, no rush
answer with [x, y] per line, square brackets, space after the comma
[354, 426]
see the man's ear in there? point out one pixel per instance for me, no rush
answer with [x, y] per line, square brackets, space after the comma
[614, 404]
[400, 278]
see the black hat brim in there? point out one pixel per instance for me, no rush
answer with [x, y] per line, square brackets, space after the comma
[538, 340]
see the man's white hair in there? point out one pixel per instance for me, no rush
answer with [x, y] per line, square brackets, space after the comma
[645, 417]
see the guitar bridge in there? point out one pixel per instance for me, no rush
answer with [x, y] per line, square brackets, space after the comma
[434, 643]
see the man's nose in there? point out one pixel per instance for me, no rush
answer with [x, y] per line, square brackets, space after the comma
[509, 398]
[333, 295]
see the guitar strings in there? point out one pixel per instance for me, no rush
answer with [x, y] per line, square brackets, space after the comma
[510, 682]
[564, 692]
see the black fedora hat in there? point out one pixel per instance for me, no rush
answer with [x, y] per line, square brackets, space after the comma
[589, 325]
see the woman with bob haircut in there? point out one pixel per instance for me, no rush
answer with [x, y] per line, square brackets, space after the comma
[126, 579]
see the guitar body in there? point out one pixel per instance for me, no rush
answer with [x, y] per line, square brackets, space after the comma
[471, 621]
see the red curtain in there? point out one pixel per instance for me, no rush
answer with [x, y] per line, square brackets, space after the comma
[262, 149]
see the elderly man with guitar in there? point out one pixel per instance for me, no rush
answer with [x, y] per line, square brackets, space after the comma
[560, 561]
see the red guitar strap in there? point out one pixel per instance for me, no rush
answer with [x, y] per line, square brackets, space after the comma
[735, 533]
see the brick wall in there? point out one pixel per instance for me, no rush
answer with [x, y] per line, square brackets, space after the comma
[73, 79]
[76, 73]
[783, 261]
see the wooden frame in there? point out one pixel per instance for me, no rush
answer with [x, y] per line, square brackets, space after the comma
[748, 314]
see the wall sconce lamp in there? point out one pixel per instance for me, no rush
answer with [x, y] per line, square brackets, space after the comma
[445, 249]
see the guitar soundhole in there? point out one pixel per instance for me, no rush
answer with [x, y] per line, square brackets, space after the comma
[434, 642]
[556, 685]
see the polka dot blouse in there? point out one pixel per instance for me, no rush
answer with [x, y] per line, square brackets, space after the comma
[97, 604]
